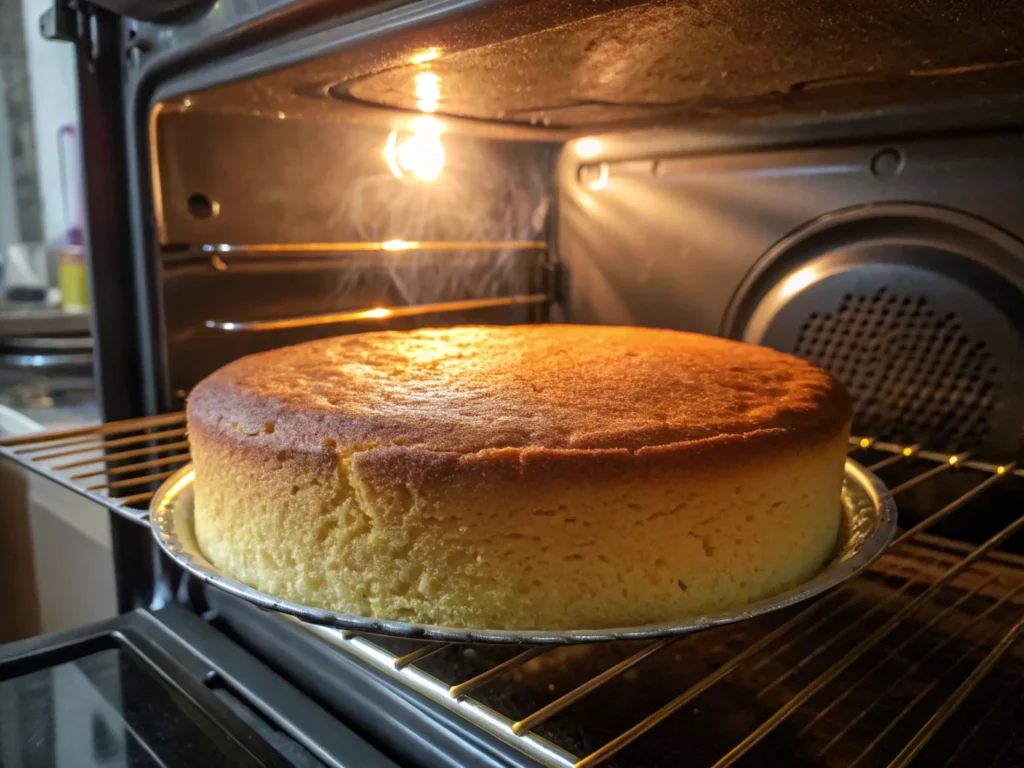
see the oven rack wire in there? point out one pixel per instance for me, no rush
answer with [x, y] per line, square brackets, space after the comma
[975, 592]
[539, 296]
[119, 464]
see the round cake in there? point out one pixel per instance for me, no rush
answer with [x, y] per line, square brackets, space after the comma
[529, 477]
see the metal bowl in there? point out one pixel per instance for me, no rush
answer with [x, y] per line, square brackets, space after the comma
[869, 520]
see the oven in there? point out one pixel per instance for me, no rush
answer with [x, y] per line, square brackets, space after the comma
[839, 181]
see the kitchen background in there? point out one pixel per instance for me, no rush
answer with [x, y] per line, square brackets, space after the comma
[49, 539]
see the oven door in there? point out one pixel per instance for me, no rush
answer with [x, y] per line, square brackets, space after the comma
[160, 689]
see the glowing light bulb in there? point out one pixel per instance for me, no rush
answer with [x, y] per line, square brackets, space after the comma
[418, 152]
[397, 245]
[954, 459]
[908, 451]
[377, 312]
[865, 443]
[588, 147]
[1000, 470]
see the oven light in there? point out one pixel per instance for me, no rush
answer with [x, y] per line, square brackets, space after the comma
[865, 443]
[908, 451]
[587, 148]
[377, 313]
[418, 152]
[954, 459]
[1000, 470]
[424, 56]
[397, 245]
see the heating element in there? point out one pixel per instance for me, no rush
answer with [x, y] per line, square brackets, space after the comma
[871, 674]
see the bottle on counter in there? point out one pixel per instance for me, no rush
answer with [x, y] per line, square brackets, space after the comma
[73, 279]
[72, 266]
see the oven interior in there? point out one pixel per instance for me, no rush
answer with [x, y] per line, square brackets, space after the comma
[795, 183]
[837, 181]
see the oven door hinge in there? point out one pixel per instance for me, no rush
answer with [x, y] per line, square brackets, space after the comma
[72, 21]
[65, 20]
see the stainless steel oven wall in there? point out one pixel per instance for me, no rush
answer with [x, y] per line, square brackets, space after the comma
[269, 224]
[151, 62]
[898, 265]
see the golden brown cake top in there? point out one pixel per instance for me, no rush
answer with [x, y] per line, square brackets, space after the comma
[468, 389]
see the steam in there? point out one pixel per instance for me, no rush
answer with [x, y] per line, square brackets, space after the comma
[488, 192]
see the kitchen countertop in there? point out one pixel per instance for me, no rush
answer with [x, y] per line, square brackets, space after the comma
[17, 319]
[59, 395]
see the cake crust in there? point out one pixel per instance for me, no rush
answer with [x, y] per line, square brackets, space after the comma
[568, 389]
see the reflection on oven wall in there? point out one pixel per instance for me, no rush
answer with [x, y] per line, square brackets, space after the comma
[347, 239]
[898, 268]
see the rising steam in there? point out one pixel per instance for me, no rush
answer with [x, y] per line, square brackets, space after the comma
[488, 191]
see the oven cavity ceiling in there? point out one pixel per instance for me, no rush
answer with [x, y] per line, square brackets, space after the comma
[583, 64]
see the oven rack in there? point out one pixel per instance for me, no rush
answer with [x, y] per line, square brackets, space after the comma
[119, 464]
[540, 295]
[380, 313]
[924, 583]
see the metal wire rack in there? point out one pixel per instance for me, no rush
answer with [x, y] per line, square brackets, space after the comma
[868, 675]
[919, 660]
[538, 293]
[119, 464]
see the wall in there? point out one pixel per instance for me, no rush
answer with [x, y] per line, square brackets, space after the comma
[54, 96]
[10, 227]
[19, 187]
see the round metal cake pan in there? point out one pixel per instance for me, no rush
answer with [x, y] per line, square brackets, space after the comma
[869, 520]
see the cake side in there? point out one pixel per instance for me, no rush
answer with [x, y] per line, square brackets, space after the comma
[506, 539]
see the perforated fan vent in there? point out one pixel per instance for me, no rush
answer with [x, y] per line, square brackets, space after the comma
[913, 372]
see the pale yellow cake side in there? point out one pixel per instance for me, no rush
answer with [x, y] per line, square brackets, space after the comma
[526, 551]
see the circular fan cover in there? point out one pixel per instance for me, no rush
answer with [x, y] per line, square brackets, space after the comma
[917, 311]
[912, 370]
